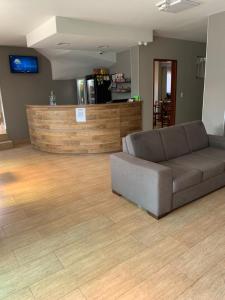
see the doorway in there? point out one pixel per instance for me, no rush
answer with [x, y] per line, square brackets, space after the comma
[2, 117]
[164, 92]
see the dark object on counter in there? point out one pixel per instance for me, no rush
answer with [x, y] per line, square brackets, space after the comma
[98, 89]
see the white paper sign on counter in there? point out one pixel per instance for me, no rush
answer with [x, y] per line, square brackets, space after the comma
[80, 114]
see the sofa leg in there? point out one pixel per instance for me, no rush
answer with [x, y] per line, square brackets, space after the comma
[157, 217]
[139, 206]
[114, 192]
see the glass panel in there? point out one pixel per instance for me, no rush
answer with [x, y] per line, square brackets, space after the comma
[168, 82]
[91, 90]
[200, 67]
[81, 91]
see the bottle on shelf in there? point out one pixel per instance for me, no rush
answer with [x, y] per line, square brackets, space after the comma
[52, 98]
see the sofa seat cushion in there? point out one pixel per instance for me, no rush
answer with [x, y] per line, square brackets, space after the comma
[183, 177]
[211, 152]
[210, 167]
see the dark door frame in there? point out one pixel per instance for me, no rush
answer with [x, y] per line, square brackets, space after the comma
[173, 85]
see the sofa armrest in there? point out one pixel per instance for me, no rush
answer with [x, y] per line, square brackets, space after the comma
[146, 183]
[124, 145]
[216, 141]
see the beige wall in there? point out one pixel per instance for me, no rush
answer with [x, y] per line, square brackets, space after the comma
[18, 90]
[185, 52]
[128, 63]
[214, 94]
[65, 91]
[122, 65]
[135, 62]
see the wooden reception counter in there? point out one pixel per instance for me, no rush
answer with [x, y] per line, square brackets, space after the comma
[55, 128]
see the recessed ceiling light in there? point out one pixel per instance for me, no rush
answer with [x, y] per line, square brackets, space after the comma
[142, 43]
[102, 47]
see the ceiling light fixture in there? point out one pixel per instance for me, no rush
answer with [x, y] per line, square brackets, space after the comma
[63, 44]
[102, 48]
[175, 6]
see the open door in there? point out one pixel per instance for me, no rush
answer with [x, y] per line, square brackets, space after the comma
[164, 92]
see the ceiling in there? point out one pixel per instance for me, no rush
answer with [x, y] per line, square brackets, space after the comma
[20, 17]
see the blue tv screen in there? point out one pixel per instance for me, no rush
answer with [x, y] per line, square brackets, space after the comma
[23, 64]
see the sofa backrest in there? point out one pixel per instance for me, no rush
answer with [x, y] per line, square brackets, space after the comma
[196, 135]
[146, 145]
[174, 141]
[167, 143]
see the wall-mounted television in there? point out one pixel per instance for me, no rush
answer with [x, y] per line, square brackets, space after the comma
[23, 64]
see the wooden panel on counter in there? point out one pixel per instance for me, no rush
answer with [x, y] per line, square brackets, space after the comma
[54, 128]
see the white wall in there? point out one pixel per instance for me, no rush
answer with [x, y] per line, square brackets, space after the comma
[214, 93]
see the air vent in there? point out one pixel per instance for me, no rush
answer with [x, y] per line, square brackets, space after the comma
[176, 6]
[63, 44]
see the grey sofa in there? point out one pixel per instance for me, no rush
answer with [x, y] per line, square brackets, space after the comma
[161, 170]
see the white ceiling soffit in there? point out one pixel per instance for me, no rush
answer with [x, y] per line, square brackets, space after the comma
[70, 64]
[74, 47]
[68, 33]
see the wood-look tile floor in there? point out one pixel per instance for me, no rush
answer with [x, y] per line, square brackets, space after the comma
[64, 235]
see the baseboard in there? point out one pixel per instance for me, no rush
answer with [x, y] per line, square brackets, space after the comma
[3, 137]
[18, 142]
[5, 145]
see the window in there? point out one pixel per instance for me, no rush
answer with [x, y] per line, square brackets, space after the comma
[168, 82]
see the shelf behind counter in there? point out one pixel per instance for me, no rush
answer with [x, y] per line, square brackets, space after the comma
[55, 129]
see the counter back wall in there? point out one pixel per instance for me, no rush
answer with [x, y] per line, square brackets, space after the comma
[123, 65]
[18, 90]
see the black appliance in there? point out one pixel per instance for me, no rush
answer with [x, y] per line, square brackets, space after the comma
[98, 89]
